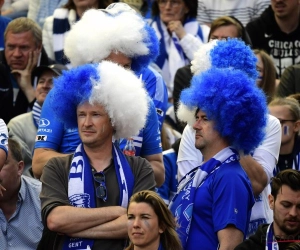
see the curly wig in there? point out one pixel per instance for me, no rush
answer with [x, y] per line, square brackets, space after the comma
[232, 52]
[104, 83]
[118, 28]
[232, 100]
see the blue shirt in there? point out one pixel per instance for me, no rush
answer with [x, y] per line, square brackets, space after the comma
[53, 135]
[24, 229]
[157, 90]
[224, 198]
[3, 24]
[169, 188]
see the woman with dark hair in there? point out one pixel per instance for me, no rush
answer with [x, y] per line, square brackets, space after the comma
[179, 33]
[151, 224]
[57, 26]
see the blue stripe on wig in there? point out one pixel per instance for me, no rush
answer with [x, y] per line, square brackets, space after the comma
[70, 89]
[234, 53]
[140, 62]
[231, 99]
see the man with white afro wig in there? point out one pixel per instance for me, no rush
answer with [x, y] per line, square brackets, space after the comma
[120, 35]
[85, 195]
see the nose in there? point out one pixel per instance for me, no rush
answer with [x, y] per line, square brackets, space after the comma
[293, 211]
[87, 121]
[16, 52]
[168, 4]
[136, 223]
[197, 125]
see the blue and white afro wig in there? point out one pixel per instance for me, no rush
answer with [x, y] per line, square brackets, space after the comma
[231, 99]
[120, 92]
[118, 28]
[230, 53]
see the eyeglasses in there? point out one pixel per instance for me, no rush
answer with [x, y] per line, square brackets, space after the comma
[101, 191]
[173, 3]
[282, 121]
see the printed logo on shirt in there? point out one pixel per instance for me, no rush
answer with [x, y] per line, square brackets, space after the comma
[44, 122]
[45, 130]
[159, 112]
[267, 35]
[41, 138]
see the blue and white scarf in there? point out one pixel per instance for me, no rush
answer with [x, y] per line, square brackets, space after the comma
[171, 56]
[81, 190]
[189, 185]
[36, 113]
[271, 243]
[62, 21]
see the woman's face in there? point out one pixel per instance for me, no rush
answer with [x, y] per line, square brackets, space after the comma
[172, 10]
[86, 3]
[143, 225]
[260, 70]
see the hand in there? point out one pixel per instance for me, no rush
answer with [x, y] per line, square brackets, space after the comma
[2, 189]
[176, 26]
[23, 77]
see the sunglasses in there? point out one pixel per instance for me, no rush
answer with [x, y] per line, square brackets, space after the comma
[101, 191]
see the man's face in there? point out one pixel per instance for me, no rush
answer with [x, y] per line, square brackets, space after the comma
[283, 9]
[289, 126]
[44, 85]
[286, 212]
[18, 46]
[223, 32]
[205, 135]
[119, 58]
[94, 125]
[10, 176]
[174, 11]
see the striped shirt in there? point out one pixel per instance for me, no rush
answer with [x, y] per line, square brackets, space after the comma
[244, 10]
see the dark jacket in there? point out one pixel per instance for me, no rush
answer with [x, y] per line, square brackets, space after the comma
[7, 109]
[265, 34]
[289, 81]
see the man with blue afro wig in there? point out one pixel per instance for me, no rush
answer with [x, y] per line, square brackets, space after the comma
[85, 195]
[213, 202]
[120, 35]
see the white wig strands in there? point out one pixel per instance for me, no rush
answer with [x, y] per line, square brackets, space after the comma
[202, 60]
[124, 98]
[99, 32]
[185, 114]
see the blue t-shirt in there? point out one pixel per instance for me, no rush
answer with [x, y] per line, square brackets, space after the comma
[169, 188]
[53, 135]
[3, 24]
[157, 90]
[224, 198]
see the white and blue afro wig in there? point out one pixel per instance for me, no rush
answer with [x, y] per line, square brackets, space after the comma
[231, 99]
[118, 28]
[120, 92]
[230, 53]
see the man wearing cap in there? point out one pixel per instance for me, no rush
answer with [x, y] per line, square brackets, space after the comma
[85, 195]
[117, 34]
[24, 127]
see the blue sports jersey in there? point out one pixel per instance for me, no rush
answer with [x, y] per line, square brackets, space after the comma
[53, 135]
[157, 90]
[224, 198]
[169, 188]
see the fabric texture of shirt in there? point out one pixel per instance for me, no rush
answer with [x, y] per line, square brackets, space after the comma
[24, 229]
[224, 198]
[244, 11]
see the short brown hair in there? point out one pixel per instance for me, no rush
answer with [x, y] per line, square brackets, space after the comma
[24, 24]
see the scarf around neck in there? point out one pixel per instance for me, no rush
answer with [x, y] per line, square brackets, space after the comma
[189, 185]
[81, 190]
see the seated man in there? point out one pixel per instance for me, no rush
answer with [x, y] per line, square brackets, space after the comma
[24, 126]
[284, 200]
[22, 52]
[85, 195]
[20, 207]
